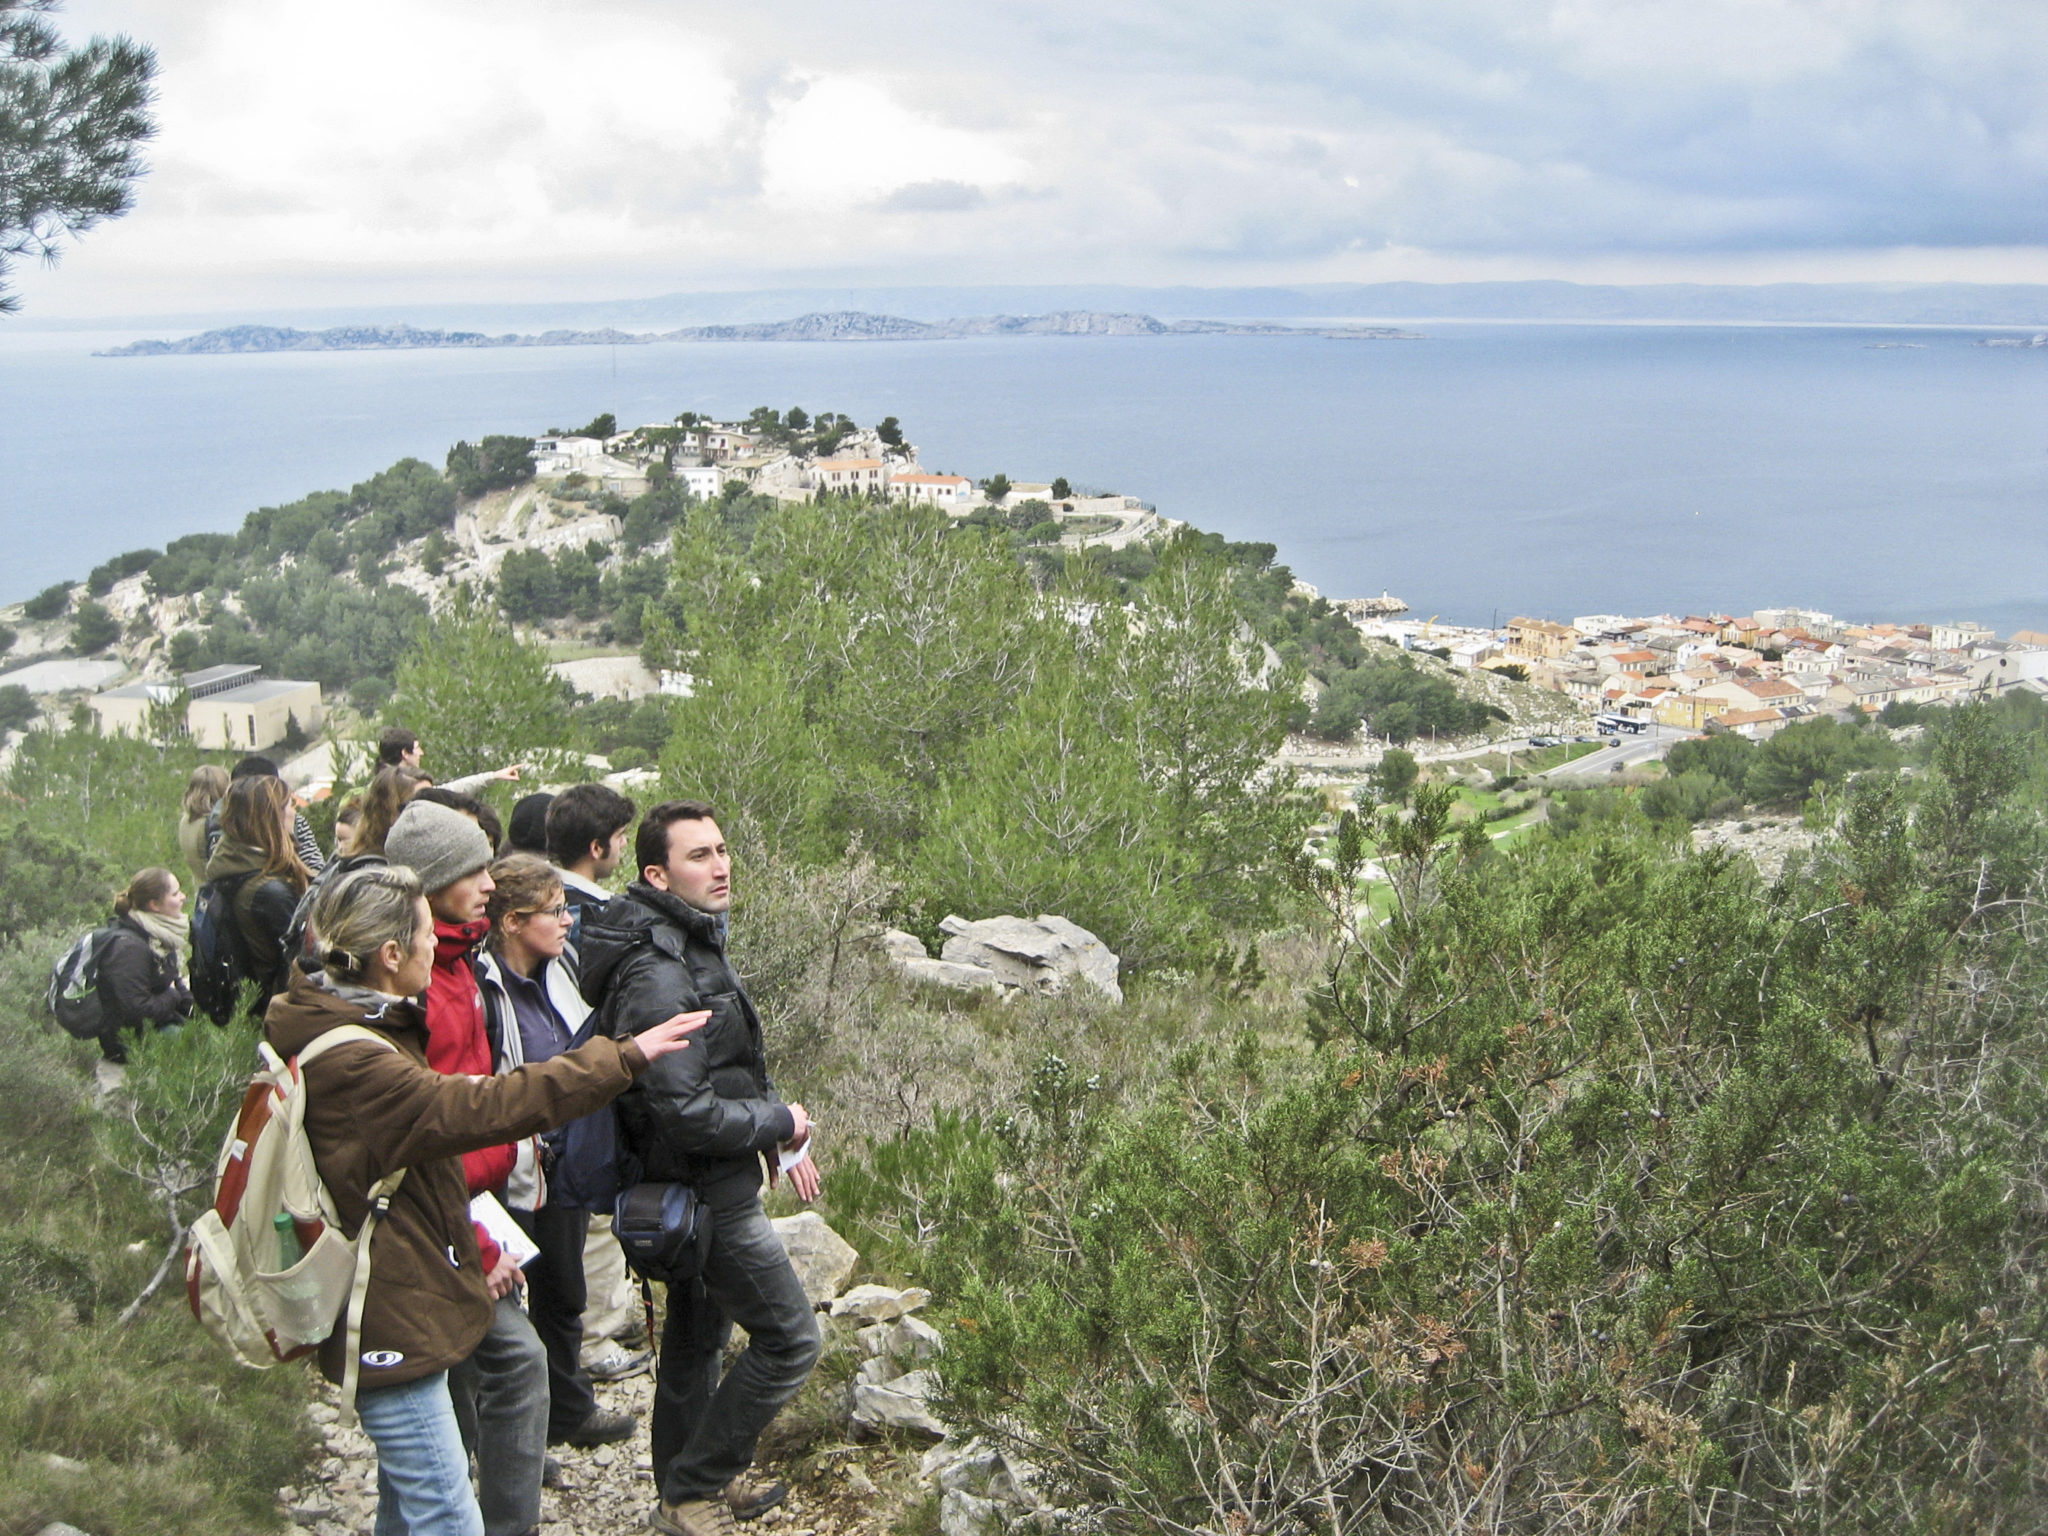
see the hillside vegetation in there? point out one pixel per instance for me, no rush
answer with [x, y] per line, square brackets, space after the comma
[1577, 1183]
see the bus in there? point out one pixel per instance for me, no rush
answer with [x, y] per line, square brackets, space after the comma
[1611, 724]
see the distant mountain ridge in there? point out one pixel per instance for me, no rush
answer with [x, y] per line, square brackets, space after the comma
[1877, 304]
[841, 325]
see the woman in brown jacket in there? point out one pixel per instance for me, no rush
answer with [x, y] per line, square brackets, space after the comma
[372, 1110]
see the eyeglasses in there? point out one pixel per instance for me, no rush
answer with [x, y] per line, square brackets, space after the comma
[558, 911]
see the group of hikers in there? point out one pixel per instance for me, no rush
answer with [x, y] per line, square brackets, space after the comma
[480, 957]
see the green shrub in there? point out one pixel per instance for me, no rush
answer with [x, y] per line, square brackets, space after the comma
[102, 578]
[47, 880]
[49, 602]
[17, 707]
[492, 464]
[175, 1437]
[93, 628]
[1614, 1174]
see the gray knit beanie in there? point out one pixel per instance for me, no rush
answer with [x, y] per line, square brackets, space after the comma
[437, 844]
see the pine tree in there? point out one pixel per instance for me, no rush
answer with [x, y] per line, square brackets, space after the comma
[72, 124]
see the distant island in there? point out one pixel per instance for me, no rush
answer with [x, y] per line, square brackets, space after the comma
[841, 325]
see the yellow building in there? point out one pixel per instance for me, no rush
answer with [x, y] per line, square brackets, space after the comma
[1540, 640]
[1688, 711]
[228, 707]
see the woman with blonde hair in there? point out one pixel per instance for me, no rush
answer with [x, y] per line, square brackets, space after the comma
[257, 865]
[203, 790]
[375, 1107]
[141, 980]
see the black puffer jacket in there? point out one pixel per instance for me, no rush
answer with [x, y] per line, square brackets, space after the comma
[703, 1115]
[138, 986]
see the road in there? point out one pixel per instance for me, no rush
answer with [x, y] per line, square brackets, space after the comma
[1629, 752]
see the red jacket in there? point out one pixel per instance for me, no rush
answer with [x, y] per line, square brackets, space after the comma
[457, 1045]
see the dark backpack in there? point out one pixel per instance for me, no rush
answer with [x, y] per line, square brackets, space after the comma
[220, 957]
[74, 995]
[587, 1170]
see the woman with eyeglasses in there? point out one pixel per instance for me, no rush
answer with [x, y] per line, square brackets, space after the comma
[533, 1008]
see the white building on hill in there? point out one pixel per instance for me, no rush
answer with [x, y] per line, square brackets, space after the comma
[228, 707]
[939, 490]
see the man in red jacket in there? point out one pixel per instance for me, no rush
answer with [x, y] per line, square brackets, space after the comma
[501, 1391]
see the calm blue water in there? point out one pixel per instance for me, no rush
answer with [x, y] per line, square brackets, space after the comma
[1543, 469]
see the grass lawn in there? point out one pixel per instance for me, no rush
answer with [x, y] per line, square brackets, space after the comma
[1553, 757]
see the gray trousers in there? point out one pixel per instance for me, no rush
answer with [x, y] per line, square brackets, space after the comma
[501, 1404]
[705, 1426]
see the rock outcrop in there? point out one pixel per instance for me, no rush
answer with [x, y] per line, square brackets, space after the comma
[1009, 955]
[821, 1257]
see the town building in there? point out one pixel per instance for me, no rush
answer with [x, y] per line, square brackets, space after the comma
[226, 708]
[1994, 675]
[703, 481]
[939, 490]
[851, 477]
[1540, 639]
[1687, 711]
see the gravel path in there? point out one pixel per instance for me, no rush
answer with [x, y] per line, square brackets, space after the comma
[837, 1488]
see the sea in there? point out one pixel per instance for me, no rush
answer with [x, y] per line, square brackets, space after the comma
[1483, 471]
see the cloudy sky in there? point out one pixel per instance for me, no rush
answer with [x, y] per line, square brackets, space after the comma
[402, 150]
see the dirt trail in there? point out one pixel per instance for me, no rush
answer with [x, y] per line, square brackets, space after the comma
[837, 1488]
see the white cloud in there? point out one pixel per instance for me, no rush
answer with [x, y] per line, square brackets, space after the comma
[521, 147]
[845, 140]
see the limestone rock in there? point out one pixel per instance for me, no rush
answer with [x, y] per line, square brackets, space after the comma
[59, 1528]
[970, 1467]
[963, 1514]
[880, 1303]
[1046, 954]
[908, 1339]
[900, 946]
[899, 1404]
[911, 1338]
[58, 1463]
[821, 1257]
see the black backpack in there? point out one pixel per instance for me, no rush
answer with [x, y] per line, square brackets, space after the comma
[220, 957]
[74, 995]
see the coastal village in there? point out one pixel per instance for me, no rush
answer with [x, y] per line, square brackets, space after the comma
[1752, 674]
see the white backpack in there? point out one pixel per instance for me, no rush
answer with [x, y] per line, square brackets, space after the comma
[234, 1276]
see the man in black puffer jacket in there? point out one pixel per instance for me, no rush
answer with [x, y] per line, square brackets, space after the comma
[654, 952]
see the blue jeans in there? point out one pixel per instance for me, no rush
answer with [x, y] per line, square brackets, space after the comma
[500, 1395]
[705, 1428]
[422, 1470]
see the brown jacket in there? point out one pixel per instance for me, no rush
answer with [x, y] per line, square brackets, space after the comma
[370, 1111]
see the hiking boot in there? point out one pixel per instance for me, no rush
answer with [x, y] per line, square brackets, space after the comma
[747, 1498]
[615, 1362]
[694, 1517]
[602, 1427]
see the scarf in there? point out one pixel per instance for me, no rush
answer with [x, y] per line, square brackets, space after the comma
[167, 935]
